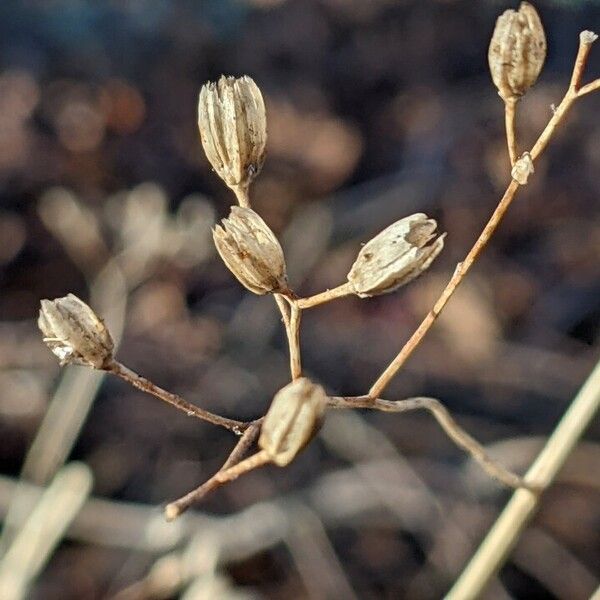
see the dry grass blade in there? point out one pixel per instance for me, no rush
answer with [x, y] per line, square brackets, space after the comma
[43, 530]
[503, 535]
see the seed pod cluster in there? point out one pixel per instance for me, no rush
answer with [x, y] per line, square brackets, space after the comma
[74, 333]
[517, 51]
[397, 255]
[233, 129]
[251, 252]
[293, 418]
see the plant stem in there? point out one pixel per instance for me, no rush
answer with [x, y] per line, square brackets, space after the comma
[589, 87]
[283, 309]
[509, 122]
[294, 341]
[177, 507]
[338, 292]
[191, 410]
[454, 431]
[259, 459]
[463, 268]
[503, 535]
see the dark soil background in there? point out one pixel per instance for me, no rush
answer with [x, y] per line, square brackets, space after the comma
[375, 110]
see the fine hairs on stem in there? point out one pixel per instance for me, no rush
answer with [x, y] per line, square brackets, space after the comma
[232, 123]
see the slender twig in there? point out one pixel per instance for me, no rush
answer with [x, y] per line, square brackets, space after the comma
[221, 477]
[338, 292]
[255, 461]
[586, 39]
[503, 535]
[454, 431]
[284, 309]
[291, 319]
[175, 508]
[589, 87]
[191, 410]
[294, 340]
[509, 122]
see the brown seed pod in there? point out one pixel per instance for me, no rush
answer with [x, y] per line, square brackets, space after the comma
[233, 128]
[517, 51]
[395, 256]
[292, 420]
[74, 332]
[251, 252]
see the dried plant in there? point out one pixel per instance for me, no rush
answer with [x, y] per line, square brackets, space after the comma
[232, 122]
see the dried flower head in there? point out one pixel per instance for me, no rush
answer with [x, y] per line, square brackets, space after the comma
[517, 51]
[74, 333]
[293, 418]
[233, 129]
[395, 256]
[251, 252]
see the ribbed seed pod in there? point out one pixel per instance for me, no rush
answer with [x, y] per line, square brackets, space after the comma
[233, 129]
[292, 420]
[74, 332]
[395, 256]
[517, 51]
[251, 252]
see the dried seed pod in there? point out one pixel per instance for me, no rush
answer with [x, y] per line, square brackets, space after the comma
[74, 333]
[233, 129]
[517, 51]
[522, 169]
[251, 252]
[293, 418]
[395, 256]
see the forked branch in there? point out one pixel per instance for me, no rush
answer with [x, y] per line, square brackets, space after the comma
[454, 431]
[573, 93]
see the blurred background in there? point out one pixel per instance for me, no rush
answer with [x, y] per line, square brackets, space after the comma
[376, 109]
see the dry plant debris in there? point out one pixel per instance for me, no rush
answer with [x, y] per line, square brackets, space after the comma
[232, 122]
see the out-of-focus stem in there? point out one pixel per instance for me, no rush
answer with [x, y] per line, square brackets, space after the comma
[503, 535]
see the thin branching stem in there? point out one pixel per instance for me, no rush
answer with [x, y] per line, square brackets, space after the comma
[179, 506]
[504, 534]
[294, 341]
[327, 296]
[463, 268]
[454, 431]
[510, 105]
[589, 87]
[221, 477]
[191, 410]
[283, 309]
